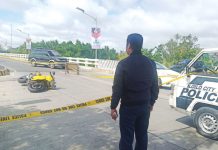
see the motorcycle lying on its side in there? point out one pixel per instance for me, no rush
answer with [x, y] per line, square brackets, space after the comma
[37, 82]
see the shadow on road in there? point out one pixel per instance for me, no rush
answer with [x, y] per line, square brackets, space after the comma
[187, 120]
[84, 129]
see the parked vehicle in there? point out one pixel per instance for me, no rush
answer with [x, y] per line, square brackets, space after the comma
[197, 92]
[50, 58]
[165, 75]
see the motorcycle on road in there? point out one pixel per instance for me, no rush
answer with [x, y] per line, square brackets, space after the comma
[37, 82]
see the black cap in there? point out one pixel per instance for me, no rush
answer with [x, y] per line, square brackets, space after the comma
[135, 40]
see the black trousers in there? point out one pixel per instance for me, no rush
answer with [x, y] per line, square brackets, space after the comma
[134, 120]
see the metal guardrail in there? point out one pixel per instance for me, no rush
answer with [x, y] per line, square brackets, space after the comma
[109, 65]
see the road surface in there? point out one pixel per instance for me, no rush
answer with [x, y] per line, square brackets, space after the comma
[90, 128]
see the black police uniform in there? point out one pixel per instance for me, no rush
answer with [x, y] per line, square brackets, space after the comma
[136, 84]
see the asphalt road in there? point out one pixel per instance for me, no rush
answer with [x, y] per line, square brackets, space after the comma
[89, 128]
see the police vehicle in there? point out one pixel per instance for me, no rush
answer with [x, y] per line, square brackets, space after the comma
[197, 92]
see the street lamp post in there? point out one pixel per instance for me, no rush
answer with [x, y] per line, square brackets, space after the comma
[28, 35]
[96, 24]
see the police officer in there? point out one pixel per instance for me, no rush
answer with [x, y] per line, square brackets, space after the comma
[136, 84]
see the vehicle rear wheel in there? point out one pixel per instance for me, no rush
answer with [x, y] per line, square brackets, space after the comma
[33, 63]
[206, 120]
[52, 65]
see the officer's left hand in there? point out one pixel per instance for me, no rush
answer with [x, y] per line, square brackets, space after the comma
[151, 108]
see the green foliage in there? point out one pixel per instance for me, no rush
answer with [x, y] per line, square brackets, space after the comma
[175, 50]
[179, 48]
[147, 52]
[121, 55]
[20, 50]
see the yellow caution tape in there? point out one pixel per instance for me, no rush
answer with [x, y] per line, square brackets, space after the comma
[52, 111]
[180, 77]
[105, 77]
[167, 82]
[166, 76]
[111, 77]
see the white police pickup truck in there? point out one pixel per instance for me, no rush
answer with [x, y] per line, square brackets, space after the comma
[197, 92]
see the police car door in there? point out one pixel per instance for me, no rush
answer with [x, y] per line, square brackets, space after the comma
[200, 86]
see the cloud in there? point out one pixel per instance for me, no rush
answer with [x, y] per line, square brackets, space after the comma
[18, 5]
[156, 20]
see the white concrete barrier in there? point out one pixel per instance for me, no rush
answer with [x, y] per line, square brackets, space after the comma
[109, 65]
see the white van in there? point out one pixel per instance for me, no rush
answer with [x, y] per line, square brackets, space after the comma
[197, 92]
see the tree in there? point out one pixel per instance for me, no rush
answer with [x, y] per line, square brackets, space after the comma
[70, 49]
[177, 49]
[147, 52]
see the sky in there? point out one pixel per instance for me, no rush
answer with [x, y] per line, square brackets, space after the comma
[156, 20]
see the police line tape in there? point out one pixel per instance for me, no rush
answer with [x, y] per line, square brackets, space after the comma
[167, 82]
[55, 110]
[112, 77]
[180, 77]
